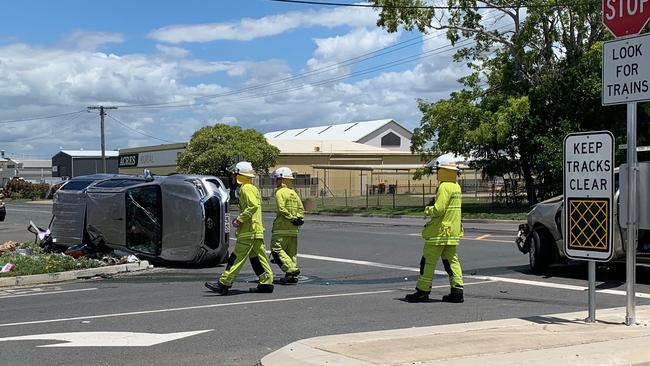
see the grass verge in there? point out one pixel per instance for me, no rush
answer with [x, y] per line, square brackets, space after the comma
[40, 262]
[470, 211]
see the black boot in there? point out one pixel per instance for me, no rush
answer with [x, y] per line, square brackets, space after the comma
[290, 278]
[455, 296]
[418, 296]
[265, 289]
[217, 287]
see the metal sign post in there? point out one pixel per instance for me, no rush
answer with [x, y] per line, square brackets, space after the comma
[589, 202]
[632, 222]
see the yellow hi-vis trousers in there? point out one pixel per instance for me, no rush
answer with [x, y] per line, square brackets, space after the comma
[284, 250]
[255, 251]
[430, 256]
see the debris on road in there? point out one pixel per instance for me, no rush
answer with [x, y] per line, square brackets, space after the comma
[8, 246]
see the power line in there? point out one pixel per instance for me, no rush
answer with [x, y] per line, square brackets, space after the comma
[30, 138]
[40, 118]
[354, 60]
[136, 130]
[432, 7]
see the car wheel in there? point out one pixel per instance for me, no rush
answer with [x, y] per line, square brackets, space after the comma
[539, 256]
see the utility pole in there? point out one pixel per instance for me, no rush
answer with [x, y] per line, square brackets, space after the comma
[101, 118]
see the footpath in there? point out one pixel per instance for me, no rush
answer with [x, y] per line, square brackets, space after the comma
[559, 339]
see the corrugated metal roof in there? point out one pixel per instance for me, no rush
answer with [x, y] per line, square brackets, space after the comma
[325, 147]
[90, 153]
[347, 131]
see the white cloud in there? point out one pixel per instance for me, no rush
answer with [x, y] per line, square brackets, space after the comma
[355, 43]
[90, 41]
[37, 81]
[175, 52]
[248, 29]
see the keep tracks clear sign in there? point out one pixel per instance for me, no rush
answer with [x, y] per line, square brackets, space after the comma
[589, 195]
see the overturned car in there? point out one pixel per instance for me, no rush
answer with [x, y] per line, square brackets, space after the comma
[541, 237]
[177, 218]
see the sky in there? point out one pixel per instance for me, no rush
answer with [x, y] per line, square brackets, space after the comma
[172, 67]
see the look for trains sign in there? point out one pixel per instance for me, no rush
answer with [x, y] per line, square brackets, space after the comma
[588, 195]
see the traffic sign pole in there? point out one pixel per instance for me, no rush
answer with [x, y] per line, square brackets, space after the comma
[630, 317]
[592, 292]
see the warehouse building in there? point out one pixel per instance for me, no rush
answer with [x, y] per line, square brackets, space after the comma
[68, 164]
[341, 160]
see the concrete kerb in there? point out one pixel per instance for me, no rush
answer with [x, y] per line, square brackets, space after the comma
[72, 275]
[540, 340]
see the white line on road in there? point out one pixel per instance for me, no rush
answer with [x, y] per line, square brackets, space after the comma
[484, 278]
[48, 293]
[480, 239]
[198, 307]
[9, 209]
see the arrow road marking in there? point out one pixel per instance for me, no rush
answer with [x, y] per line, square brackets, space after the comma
[105, 339]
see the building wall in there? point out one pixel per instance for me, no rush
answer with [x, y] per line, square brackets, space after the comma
[86, 166]
[374, 139]
[62, 165]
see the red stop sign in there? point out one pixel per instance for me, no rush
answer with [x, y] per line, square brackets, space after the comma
[625, 17]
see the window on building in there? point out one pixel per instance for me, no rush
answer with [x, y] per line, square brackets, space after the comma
[391, 139]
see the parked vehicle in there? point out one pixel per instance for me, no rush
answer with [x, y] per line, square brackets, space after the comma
[176, 218]
[541, 237]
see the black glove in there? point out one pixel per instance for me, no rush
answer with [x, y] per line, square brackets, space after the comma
[432, 201]
[298, 221]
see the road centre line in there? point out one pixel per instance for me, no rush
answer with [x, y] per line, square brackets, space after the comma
[144, 312]
[484, 278]
[482, 237]
[48, 293]
[478, 239]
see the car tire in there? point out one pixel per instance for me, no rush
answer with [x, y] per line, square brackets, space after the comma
[539, 256]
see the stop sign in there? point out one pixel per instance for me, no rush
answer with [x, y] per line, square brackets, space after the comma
[625, 17]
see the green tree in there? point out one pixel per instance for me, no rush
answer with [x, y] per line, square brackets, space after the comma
[535, 77]
[213, 149]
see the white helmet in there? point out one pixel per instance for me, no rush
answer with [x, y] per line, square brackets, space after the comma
[244, 168]
[283, 172]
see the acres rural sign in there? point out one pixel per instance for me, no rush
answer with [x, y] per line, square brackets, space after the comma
[625, 17]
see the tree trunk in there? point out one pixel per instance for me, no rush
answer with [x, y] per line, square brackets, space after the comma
[530, 182]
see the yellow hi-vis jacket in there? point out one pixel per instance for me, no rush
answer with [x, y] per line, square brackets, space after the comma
[250, 213]
[445, 227]
[289, 207]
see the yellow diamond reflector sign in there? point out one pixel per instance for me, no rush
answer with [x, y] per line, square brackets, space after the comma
[588, 224]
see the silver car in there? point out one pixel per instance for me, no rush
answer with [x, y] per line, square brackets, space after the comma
[541, 237]
[177, 218]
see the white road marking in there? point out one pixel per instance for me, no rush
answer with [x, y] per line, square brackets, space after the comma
[48, 293]
[197, 307]
[9, 209]
[105, 339]
[482, 238]
[484, 278]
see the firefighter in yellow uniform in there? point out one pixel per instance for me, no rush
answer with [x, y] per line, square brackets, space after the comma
[441, 237]
[290, 215]
[250, 236]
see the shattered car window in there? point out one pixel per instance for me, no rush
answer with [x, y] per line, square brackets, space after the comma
[144, 219]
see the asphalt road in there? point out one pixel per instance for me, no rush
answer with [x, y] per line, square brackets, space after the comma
[354, 277]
